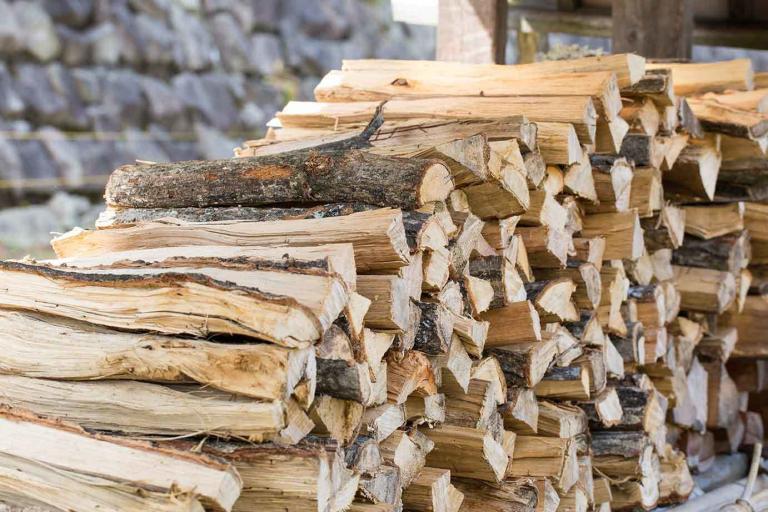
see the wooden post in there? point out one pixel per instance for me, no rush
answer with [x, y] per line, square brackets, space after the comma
[472, 31]
[661, 29]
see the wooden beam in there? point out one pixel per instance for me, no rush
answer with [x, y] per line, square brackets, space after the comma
[653, 28]
[472, 31]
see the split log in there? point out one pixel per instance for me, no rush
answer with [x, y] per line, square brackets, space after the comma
[544, 210]
[577, 110]
[378, 239]
[425, 409]
[493, 200]
[629, 68]
[468, 453]
[565, 383]
[524, 364]
[545, 457]
[558, 143]
[718, 345]
[579, 180]
[622, 232]
[56, 348]
[643, 150]
[35, 486]
[664, 230]
[701, 77]
[407, 374]
[333, 258]
[558, 420]
[382, 487]
[432, 491]
[655, 84]
[156, 410]
[695, 172]
[517, 322]
[728, 253]
[521, 411]
[613, 184]
[586, 277]
[710, 221]
[200, 303]
[301, 478]
[722, 396]
[480, 81]
[515, 494]
[40, 443]
[705, 289]
[646, 191]
[389, 301]
[335, 418]
[546, 247]
[552, 299]
[472, 334]
[604, 410]
[500, 272]
[642, 116]
[716, 117]
[407, 450]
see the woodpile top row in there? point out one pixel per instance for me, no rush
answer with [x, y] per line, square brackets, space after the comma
[441, 287]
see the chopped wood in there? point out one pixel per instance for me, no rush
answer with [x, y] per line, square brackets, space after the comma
[336, 418]
[577, 110]
[547, 457]
[701, 77]
[655, 84]
[604, 410]
[695, 172]
[546, 247]
[377, 236]
[57, 348]
[710, 221]
[622, 232]
[521, 411]
[135, 465]
[552, 299]
[468, 453]
[510, 494]
[198, 302]
[703, 289]
[413, 372]
[642, 116]
[155, 409]
[389, 298]
[629, 68]
[432, 491]
[558, 143]
[524, 364]
[500, 272]
[418, 82]
[517, 322]
[613, 184]
[664, 230]
[716, 117]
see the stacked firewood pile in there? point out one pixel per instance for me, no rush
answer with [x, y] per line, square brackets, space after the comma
[441, 287]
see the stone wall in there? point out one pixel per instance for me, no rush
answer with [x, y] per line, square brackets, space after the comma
[87, 85]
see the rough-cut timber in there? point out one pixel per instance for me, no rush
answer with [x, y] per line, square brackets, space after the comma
[378, 236]
[136, 465]
[577, 110]
[51, 347]
[174, 302]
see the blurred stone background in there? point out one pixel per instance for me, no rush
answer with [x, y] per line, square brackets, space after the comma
[88, 85]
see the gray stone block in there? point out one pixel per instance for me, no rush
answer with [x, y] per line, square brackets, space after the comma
[50, 95]
[75, 13]
[209, 97]
[36, 30]
[234, 47]
[194, 48]
[11, 103]
[267, 53]
[10, 39]
[156, 40]
[64, 155]
[164, 104]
